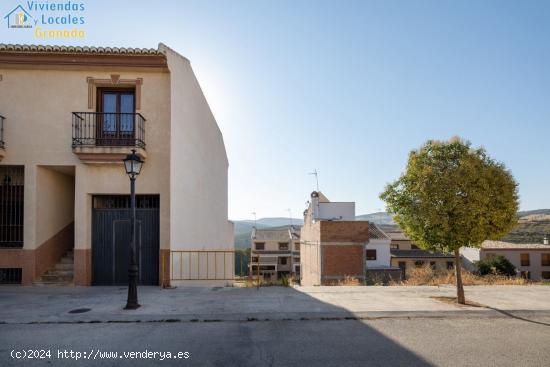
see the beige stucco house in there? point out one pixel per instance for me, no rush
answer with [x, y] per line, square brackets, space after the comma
[531, 260]
[405, 255]
[70, 114]
[275, 253]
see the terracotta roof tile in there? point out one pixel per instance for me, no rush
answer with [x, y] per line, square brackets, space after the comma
[79, 49]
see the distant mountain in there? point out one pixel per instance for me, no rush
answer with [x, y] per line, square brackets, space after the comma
[378, 218]
[533, 212]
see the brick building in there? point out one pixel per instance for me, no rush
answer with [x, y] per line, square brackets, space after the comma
[332, 242]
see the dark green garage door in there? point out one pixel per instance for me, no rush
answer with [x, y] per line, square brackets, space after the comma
[111, 239]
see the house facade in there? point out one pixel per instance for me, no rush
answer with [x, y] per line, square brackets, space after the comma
[378, 257]
[275, 253]
[70, 115]
[405, 255]
[531, 260]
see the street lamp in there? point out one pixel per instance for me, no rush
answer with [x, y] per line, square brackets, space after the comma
[132, 164]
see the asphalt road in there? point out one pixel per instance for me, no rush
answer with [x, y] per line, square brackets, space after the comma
[381, 342]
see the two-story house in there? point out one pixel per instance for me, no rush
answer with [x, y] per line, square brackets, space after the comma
[275, 253]
[69, 116]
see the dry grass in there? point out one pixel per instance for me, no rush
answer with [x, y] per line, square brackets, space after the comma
[350, 281]
[427, 276]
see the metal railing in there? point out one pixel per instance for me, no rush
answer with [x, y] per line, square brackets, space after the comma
[12, 191]
[201, 265]
[2, 118]
[108, 129]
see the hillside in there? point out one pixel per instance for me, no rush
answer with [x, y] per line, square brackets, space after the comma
[532, 227]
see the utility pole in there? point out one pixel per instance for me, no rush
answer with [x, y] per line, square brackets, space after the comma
[316, 174]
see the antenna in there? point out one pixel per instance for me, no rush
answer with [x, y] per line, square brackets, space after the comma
[289, 216]
[316, 174]
[254, 214]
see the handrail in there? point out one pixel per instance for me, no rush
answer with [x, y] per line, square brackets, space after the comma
[108, 129]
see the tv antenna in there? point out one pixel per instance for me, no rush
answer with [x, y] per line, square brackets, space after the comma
[289, 216]
[316, 174]
[254, 214]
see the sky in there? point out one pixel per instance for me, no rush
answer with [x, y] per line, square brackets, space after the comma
[348, 87]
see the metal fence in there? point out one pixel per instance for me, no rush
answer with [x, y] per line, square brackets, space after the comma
[2, 118]
[200, 265]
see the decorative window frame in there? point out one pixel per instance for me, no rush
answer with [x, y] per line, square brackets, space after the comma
[114, 81]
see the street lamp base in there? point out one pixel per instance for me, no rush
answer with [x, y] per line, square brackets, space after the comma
[132, 306]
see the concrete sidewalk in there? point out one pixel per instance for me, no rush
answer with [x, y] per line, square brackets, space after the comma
[43, 305]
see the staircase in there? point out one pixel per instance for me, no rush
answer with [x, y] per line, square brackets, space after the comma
[62, 273]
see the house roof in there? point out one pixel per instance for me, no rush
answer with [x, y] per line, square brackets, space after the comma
[417, 253]
[509, 245]
[79, 49]
[376, 233]
[398, 236]
[282, 234]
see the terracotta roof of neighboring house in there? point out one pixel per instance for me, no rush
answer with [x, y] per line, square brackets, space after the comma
[376, 233]
[417, 253]
[398, 236]
[495, 245]
[79, 49]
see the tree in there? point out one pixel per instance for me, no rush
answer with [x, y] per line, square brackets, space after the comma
[495, 265]
[451, 196]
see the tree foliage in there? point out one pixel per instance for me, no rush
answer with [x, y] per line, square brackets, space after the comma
[453, 195]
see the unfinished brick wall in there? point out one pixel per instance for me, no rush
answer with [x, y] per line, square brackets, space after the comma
[343, 260]
[344, 231]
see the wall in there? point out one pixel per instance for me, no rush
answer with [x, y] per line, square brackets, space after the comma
[198, 179]
[344, 231]
[342, 260]
[310, 252]
[38, 102]
[535, 262]
[383, 256]
[469, 256]
[335, 210]
[54, 202]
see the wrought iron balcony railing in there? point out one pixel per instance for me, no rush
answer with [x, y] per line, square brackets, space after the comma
[108, 129]
[2, 132]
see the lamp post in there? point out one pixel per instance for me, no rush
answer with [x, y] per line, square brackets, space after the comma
[132, 164]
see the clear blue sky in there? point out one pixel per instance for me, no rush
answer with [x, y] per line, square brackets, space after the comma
[350, 87]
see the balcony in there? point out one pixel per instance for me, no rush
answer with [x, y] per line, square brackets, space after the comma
[2, 149]
[107, 137]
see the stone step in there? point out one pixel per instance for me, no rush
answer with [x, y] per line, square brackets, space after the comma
[42, 283]
[56, 278]
[60, 266]
[66, 260]
[69, 272]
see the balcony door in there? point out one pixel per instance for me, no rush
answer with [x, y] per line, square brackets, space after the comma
[116, 124]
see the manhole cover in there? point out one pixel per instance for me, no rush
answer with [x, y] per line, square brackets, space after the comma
[80, 310]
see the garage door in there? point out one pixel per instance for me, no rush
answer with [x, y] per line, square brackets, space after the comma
[111, 239]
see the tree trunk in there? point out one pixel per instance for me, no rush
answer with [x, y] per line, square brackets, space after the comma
[459, 288]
